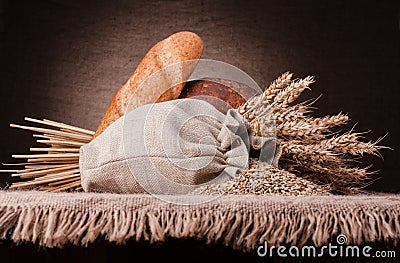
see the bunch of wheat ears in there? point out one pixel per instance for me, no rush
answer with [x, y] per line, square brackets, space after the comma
[311, 148]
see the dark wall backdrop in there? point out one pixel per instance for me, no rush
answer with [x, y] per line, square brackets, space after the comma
[64, 60]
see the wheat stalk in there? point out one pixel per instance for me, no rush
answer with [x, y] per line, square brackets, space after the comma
[292, 92]
[349, 143]
[56, 168]
[300, 130]
[276, 86]
[309, 153]
[328, 122]
[295, 112]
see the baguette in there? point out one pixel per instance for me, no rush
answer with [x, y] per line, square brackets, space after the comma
[179, 47]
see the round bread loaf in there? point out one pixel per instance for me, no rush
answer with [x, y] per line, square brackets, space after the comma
[221, 93]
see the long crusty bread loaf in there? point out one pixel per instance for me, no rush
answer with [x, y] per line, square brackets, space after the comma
[138, 90]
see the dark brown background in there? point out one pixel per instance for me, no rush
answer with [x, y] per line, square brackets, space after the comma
[64, 60]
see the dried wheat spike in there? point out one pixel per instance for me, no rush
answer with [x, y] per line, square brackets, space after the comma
[300, 130]
[309, 153]
[340, 176]
[306, 126]
[295, 112]
[276, 86]
[267, 96]
[348, 143]
[329, 121]
[292, 92]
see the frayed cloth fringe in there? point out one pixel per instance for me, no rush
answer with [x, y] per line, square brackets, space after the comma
[242, 222]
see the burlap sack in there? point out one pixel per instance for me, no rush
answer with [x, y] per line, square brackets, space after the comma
[170, 148]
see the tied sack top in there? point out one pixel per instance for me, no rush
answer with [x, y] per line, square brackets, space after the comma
[171, 147]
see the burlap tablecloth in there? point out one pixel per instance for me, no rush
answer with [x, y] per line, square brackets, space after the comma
[241, 222]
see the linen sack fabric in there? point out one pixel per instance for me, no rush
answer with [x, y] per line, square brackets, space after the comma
[171, 148]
